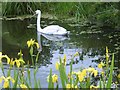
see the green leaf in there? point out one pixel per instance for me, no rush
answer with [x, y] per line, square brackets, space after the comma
[29, 78]
[101, 83]
[31, 51]
[88, 83]
[71, 71]
[26, 83]
[111, 73]
[82, 85]
[9, 72]
[63, 75]
[37, 56]
[39, 85]
[50, 84]
[35, 81]
[16, 79]
[31, 54]
[76, 81]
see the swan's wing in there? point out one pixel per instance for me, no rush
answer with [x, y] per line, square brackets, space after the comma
[51, 29]
[54, 29]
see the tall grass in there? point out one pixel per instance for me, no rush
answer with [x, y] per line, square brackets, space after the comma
[99, 13]
[19, 8]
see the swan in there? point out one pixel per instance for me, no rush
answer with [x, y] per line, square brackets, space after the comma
[39, 41]
[52, 29]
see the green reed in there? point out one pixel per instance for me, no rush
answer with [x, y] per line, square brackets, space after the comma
[19, 8]
[99, 13]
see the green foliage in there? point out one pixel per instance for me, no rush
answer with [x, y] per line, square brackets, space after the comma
[64, 9]
[19, 8]
[50, 85]
[16, 79]
[109, 83]
[100, 13]
[63, 75]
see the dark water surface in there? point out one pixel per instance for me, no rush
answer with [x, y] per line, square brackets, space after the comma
[91, 47]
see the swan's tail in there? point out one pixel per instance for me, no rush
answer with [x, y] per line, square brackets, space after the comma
[67, 34]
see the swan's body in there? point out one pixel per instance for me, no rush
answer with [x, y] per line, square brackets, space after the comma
[52, 29]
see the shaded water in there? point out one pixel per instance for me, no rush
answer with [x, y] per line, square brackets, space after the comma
[91, 47]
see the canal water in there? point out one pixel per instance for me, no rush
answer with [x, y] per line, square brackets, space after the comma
[91, 46]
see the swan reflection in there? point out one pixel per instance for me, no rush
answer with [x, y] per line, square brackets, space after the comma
[53, 38]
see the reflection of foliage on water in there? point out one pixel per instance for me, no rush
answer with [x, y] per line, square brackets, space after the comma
[17, 33]
[114, 38]
[44, 59]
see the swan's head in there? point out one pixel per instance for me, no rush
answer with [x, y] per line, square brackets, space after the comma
[38, 12]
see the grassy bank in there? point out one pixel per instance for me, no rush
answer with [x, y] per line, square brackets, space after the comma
[100, 13]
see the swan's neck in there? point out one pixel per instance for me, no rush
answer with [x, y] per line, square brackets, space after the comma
[39, 41]
[38, 23]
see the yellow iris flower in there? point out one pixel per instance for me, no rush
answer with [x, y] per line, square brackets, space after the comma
[6, 81]
[106, 49]
[102, 73]
[95, 72]
[118, 76]
[70, 86]
[107, 55]
[70, 76]
[76, 54]
[11, 62]
[54, 78]
[23, 86]
[20, 53]
[100, 65]
[57, 65]
[90, 69]
[18, 62]
[31, 42]
[92, 86]
[0, 56]
[80, 76]
[4, 56]
[37, 45]
[64, 59]
[84, 72]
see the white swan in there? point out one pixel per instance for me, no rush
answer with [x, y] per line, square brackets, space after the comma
[52, 29]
